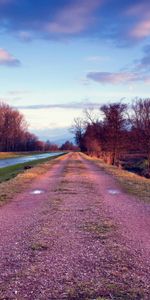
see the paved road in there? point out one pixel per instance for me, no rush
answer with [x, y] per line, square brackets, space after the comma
[81, 238]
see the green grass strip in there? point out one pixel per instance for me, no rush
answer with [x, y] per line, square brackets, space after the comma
[10, 172]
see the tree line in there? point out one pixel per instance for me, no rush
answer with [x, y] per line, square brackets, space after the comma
[120, 128]
[14, 134]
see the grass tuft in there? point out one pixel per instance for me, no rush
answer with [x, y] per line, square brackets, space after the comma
[101, 230]
[39, 247]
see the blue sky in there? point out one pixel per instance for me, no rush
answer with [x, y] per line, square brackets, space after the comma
[60, 56]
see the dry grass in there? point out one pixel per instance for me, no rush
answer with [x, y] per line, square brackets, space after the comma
[11, 188]
[4, 155]
[39, 246]
[130, 182]
[101, 230]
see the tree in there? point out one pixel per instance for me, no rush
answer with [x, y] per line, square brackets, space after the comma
[68, 146]
[114, 123]
[93, 139]
[12, 127]
[14, 135]
[78, 129]
[140, 120]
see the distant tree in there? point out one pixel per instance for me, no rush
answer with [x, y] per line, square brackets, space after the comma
[14, 134]
[51, 146]
[68, 146]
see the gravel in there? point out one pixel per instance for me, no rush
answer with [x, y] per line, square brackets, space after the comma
[75, 240]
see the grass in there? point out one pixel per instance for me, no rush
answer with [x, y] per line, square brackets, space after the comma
[39, 247]
[10, 172]
[131, 183]
[5, 155]
[17, 184]
[85, 291]
[100, 231]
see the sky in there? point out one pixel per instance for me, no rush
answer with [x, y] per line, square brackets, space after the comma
[58, 57]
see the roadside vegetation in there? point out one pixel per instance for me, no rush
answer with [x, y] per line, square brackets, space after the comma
[15, 136]
[10, 172]
[130, 182]
[21, 178]
[119, 135]
[5, 155]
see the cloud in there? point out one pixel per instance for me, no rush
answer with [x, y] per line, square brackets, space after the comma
[71, 105]
[6, 59]
[141, 14]
[73, 18]
[123, 21]
[113, 78]
[141, 30]
[137, 71]
[51, 20]
[24, 36]
[97, 58]
[56, 135]
[143, 64]
[19, 92]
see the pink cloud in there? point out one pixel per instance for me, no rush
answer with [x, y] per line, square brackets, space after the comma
[113, 78]
[139, 9]
[74, 18]
[141, 30]
[7, 59]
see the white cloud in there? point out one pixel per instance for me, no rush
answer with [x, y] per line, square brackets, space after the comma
[97, 58]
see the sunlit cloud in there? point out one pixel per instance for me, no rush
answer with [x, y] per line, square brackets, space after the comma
[141, 13]
[73, 18]
[141, 30]
[7, 59]
[113, 78]
[126, 22]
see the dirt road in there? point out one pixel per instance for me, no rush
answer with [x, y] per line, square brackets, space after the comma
[81, 238]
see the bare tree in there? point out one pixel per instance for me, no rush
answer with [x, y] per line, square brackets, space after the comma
[14, 135]
[141, 124]
[114, 123]
[78, 129]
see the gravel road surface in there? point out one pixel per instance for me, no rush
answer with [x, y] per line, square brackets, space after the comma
[75, 235]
